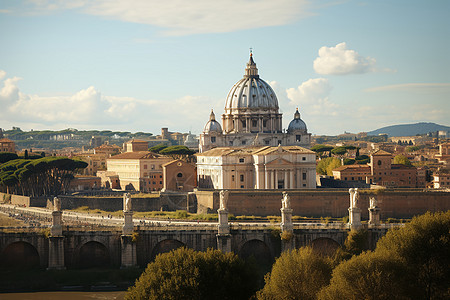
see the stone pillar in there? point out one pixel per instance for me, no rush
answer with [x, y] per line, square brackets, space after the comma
[128, 259]
[287, 227]
[56, 253]
[56, 229]
[56, 240]
[128, 226]
[223, 228]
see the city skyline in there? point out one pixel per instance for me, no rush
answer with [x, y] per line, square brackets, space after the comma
[142, 65]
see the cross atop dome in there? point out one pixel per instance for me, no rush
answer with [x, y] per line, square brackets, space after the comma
[251, 71]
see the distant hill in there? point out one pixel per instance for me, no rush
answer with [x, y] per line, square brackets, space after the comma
[409, 129]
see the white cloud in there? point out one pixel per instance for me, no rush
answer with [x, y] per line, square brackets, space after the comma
[312, 95]
[342, 61]
[89, 108]
[179, 17]
[2, 74]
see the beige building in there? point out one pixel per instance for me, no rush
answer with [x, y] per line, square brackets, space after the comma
[441, 180]
[444, 153]
[282, 167]
[140, 171]
[135, 145]
[381, 171]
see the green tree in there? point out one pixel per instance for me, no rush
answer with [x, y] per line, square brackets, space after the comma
[423, 246]
[320, 149]
[339, 151]
[367, 276]
[297, 274]
[412, 148]
[402, 160]
[187, 274]
[157, 148]
[176, 150]
[327, 165]
[7, 156]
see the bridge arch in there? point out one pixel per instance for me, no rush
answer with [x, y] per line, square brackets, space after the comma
[325, 246]
[21, 255]
[165, 246]
[92, 254]
[257, 250]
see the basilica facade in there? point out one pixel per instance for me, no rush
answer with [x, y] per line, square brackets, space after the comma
[252, 118]
[250, 150]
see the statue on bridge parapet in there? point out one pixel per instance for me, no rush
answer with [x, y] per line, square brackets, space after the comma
[224, 194]
[354, 211]
[373, 202]
[354, 197]
[374, 212]
[126, 202]
[56, 204]
[286, 200]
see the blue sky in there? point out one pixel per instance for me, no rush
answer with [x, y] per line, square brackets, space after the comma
[140, 65]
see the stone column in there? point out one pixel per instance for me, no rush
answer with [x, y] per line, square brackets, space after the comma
[276, 179]
[287, 227]
[128, 257]
[56, 240]
[223, 228]
[374, 212]
[286, 179]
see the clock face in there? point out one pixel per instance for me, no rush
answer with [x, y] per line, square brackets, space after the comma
[179, 164]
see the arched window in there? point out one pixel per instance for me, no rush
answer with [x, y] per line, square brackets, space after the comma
[379, 162]
[179, 175]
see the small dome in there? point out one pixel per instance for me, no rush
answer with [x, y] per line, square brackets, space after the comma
[297, 124]
[212, 125]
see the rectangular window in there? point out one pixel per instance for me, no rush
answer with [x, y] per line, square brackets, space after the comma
[213, 139]
[304, 176]
[145, 167]
[267, 142]
[241, 160]
[241, 177]
[298, 138]
[254, 123]
[265, 123]
[232, 177]
[244, 124]
[303, 158]
[243, 142]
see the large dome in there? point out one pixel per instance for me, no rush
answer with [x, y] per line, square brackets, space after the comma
[251, 92]
[297, 124]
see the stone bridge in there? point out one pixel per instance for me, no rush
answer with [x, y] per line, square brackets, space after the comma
[94, 247]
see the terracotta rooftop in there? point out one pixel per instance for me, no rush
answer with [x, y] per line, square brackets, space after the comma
[5, 140]
[136, 155]
[381, 152]
[346, 167]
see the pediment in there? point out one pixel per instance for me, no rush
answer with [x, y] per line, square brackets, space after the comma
[279, 162]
